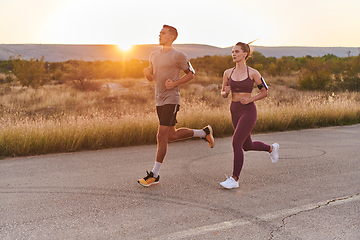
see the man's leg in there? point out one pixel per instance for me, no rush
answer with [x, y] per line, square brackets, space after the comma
[168, 133]
[162, 142]
[180, 134]
[184, 133]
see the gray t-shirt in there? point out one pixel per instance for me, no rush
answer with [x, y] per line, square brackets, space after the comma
[167, 65]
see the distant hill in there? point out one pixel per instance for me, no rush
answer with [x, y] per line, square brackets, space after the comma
[60, 53]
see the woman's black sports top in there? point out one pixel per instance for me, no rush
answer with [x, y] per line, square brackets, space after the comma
[245, 85]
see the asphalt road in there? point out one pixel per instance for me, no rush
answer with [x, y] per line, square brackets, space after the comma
[313, 192]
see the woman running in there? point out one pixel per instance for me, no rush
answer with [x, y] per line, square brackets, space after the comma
[240, 81]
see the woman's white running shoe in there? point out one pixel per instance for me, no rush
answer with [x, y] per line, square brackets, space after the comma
[230, 183]
[275, 152]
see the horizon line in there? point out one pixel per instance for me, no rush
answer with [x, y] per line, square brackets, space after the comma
[150, 44]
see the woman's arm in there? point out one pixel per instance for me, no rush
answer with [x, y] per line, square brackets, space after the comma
[225, 91]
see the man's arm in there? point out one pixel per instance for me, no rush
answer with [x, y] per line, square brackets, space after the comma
[170, 84]
[148, 74]
[189, 74]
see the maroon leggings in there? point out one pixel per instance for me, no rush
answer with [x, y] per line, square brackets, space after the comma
[243, 119]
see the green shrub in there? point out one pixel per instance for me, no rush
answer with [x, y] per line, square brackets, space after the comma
[29, 73]
[315, 75]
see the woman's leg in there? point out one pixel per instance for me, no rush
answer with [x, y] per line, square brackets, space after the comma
[249, 145]
[243, 119]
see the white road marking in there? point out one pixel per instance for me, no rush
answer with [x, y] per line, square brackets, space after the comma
[266, 217]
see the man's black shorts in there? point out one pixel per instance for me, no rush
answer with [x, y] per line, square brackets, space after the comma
[167, 114]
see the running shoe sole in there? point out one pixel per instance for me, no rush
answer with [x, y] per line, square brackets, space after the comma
[143, 181]
[210, 137]
[154, 183]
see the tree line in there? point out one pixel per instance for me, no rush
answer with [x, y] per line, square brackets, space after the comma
[327, 73]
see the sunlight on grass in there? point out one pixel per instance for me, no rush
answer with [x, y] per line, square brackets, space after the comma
[41, 136]
[61, 119]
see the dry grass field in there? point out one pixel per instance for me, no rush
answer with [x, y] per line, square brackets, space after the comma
[59, 118]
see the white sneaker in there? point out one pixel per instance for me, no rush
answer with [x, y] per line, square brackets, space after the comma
[275, 152]
[230, 183]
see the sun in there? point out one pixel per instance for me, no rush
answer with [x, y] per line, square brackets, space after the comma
[125, 47]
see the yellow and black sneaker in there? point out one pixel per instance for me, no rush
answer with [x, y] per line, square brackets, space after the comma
[209, 135]
[149, 180]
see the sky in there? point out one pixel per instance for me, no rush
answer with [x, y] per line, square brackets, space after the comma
[220, 23]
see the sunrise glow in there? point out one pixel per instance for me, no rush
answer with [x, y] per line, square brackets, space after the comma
[125, 23]
[125, 47]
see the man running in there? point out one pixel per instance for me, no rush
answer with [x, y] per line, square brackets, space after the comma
[164, 69]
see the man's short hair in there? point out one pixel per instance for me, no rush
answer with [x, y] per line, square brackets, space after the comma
[172, 31]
